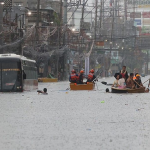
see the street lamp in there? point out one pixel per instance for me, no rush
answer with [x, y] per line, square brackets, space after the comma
[29, 13]
[73, 29]
[2, 3]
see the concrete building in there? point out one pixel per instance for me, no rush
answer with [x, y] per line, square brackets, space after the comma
[74, 18]
[23, 3]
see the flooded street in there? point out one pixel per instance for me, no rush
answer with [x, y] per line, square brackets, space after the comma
[71, 120]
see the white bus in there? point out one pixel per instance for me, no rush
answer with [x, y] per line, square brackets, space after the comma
[17, 73]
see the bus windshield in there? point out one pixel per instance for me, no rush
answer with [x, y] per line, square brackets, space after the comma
[11, 76]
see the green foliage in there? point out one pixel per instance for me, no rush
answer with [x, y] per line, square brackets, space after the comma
[57, 20]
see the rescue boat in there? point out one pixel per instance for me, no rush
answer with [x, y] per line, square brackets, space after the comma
[88, 86]
[127, 90]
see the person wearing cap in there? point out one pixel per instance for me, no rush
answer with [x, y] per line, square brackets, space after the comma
[91, 76]
[130, 82]
[73, 77]
[81, 76]
[138, 82]
[124, 73]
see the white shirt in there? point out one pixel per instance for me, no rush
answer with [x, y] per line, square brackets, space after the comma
[121, 82]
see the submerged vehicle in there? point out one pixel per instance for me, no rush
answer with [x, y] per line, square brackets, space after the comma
[127, 90]
[88, 86]
[17, 73]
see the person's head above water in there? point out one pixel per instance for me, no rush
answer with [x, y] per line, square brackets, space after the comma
[45, 90]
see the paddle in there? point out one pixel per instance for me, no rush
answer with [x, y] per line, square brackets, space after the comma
[138, 84]
[146, 81]
[105, 83]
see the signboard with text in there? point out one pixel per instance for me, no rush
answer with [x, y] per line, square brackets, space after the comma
[135, 15]
[146, 22]
[146, 14]
[137, 22]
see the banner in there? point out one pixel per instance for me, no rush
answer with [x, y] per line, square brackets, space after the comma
[146, 14]
[135, 15]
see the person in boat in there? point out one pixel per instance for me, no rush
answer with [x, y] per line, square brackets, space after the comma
[124, 73]
[138, 82]
[130, 82]
[121, 82]
[73, 77]
[91, 76]
[81, 77]
[117, 76]
[135, 76]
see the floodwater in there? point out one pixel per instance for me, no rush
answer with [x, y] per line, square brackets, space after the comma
[74, 120]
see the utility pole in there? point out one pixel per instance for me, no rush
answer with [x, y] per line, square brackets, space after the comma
[116, 1]
[59, 37]
[65, 36]
[65, 12]
[96, 1]
[125, 10]
[1, 24]
[80, 46]
[112, 32]
[1, 21]
[82, 19]
[37, 20]
[59, 26]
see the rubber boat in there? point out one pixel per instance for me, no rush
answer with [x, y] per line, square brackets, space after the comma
[117, 90]
[88, 86]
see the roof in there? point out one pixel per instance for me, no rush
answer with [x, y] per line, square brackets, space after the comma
[15, 56]
[49, 8]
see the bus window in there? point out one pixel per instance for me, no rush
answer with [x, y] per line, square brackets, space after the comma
[0, 78]
[11, 76]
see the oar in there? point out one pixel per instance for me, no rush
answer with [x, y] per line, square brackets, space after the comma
[146, 81]
[105, 83]
[138, 84]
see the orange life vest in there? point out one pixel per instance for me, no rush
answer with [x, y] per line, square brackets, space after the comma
[73, 77]
[90, 76]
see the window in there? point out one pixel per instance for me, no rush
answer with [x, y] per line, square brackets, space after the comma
[18, 4]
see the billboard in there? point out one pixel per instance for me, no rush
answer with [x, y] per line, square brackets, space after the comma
[140, 3]
[146, 22]
[135, 15]
[137, 22]
[144, 31]
[144, 6]
[146, 14]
